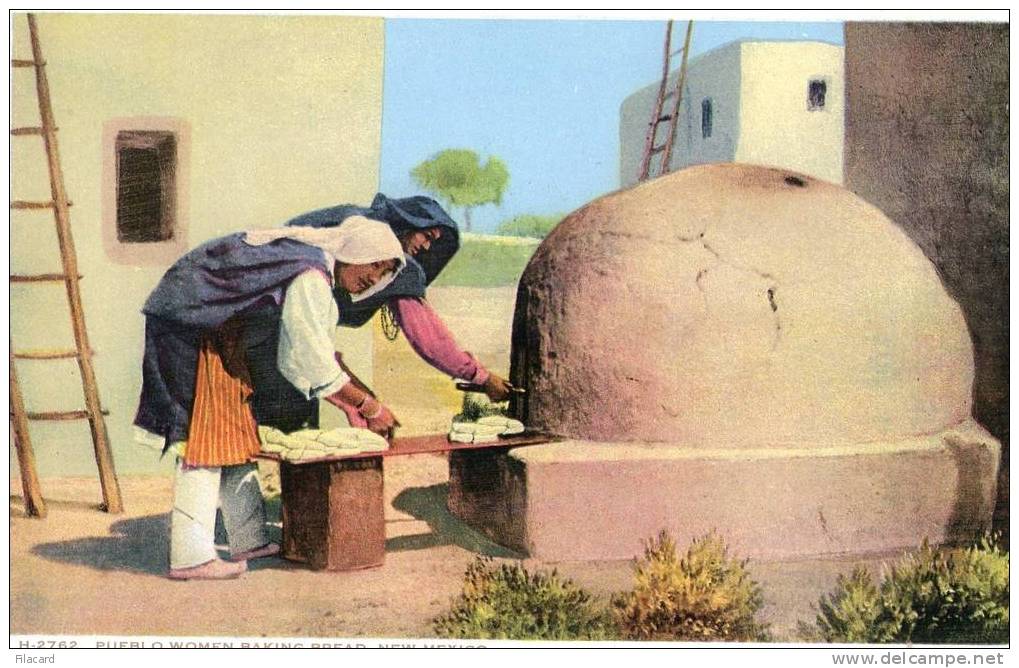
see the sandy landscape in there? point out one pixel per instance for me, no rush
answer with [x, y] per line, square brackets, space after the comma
[83, 572]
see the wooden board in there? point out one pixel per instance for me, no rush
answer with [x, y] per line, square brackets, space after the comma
[419, 445]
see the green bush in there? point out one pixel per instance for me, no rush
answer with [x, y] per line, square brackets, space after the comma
[703, 596]
[851, 613]
[508, 602]
[529, 225]
[929, 597]
[478, 406]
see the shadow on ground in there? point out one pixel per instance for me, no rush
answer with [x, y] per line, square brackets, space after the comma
[137, 545]
[428, 504]
[141, 545]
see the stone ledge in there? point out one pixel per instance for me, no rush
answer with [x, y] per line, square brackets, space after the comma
[579, 500]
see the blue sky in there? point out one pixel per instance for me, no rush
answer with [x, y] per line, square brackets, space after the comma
[543, 96]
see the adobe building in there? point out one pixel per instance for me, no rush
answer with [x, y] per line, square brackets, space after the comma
[238, 122]
[927, 143]
[776, 103]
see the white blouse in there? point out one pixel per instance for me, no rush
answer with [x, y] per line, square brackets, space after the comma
[306, 353]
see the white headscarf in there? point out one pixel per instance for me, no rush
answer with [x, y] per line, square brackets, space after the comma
[358, 240]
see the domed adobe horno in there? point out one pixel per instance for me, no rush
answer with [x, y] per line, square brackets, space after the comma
[737, 306]
[736, 349]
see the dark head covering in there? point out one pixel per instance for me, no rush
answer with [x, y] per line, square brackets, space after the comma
[407, 213]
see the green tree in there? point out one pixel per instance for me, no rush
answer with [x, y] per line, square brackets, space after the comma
[529, 225]
[457, 176]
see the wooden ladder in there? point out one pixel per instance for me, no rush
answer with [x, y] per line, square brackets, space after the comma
[34, 504]
[657, 118]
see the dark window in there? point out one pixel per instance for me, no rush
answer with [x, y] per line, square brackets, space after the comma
[146, 186]
[816, 91]
[706, 117]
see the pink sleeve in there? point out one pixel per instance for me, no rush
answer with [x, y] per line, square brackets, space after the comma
[432, 340]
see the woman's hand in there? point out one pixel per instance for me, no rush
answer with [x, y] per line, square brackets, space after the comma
[385, 424]
[497, 388]
[364, 410]
[380, 419]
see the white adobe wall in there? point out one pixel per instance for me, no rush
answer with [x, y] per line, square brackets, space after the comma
[759, 101]
[714, 75]
[634, 114]
[776, 127]
[284, 115]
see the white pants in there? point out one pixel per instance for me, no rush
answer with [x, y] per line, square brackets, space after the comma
[196, 492]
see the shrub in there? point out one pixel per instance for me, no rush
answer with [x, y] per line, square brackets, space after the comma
[928, 597]
[529, 225]
[703, 596]
[508, 602]
[851, 613]
[474, 408]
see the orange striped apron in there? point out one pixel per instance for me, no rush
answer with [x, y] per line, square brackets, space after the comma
[223, 431]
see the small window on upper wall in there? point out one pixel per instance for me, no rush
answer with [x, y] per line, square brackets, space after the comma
[145, 189]
[817, 89]
[146, 186]
[706, 117]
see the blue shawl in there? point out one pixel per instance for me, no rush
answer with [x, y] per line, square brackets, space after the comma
[401, 215]
[220, 280]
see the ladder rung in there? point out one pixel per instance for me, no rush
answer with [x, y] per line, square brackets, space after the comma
[25, 63]
[662, 119]
[47, 354]
[678, 51]
[62, 415]
[657, 149]
[27, 131]
[40, 278]
[59, 415]
[21, 204]
[68, 353]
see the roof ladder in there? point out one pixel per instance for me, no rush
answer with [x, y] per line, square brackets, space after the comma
[657, 117]
[82, 352]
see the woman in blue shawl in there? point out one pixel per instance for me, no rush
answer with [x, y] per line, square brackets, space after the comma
[228, 325]
[430, 238]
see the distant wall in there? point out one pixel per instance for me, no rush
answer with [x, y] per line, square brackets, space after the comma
[777, 128]
[758, 92]
[634, 114]
[283, 114]
[717, 78]
[715, 74]
[927, 142]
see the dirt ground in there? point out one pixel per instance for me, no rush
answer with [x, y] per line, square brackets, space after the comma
[81, 571]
